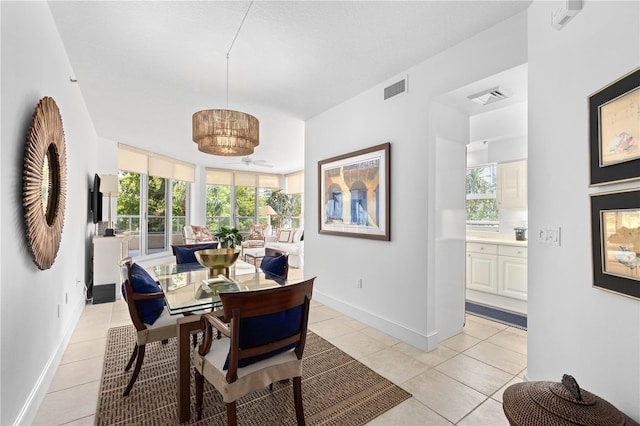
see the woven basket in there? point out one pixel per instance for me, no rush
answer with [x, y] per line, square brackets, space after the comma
[558, 404]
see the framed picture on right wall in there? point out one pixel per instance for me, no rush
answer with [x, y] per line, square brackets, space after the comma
[614, 131]
[615, 235]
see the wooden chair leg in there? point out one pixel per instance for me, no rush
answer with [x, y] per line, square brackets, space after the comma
[297, 397]
[133, 357]
[199, 379]
[136, 370]
[231, 414]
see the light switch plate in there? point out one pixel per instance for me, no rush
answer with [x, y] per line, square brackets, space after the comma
[549, 235]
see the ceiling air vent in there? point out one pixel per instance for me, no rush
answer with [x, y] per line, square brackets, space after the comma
[490, 96]
[395, 89]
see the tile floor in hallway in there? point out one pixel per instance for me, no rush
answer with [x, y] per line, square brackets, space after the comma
[461, 382]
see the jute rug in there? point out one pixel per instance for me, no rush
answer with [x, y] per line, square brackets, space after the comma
[336, 389]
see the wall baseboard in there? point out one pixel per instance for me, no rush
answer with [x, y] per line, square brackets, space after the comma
[413, 337]
[30, 408]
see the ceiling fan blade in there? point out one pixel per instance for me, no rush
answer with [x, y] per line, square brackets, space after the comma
[262, 164]
[248, 161]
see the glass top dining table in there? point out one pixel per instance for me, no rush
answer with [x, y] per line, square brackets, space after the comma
[188, 287]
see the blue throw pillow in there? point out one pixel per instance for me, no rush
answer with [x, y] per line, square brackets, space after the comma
[188, 254]
[141, 282]
[273, 265]
[264, 329]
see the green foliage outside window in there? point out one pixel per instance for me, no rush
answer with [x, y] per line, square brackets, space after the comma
[482, 209]
[129, 201]
[245, 206]
[481, 189]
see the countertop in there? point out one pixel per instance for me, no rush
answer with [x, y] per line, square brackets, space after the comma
[495, 238]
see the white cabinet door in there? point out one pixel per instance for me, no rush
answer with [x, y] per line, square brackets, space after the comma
[512, 277]
[511, 191]
[482, 272]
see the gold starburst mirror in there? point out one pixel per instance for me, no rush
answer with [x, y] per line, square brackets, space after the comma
[44, 183]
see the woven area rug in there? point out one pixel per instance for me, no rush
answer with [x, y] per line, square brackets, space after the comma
[336, 389]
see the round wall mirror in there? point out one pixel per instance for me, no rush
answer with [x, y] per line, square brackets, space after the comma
[44, 181]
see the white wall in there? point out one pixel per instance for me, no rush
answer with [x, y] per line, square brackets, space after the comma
[573, 327]
[505, 133]
[33, 337]
[502, 123]
[399, 278]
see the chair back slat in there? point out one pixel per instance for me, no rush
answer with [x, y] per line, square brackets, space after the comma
[260, 303]
[264, 302]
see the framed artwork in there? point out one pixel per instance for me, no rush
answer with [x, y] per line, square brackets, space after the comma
[353, 194]
[614, 131]
[615, 234]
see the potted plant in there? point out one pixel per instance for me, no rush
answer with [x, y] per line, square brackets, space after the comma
[283, 205]
[228, 237]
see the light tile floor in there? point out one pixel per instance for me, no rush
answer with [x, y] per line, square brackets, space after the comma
[461, 382]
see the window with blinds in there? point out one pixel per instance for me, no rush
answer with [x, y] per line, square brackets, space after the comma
[153, 199]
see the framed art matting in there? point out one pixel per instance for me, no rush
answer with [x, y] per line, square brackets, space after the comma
[614, 131]
[353, 194]
[615, 234]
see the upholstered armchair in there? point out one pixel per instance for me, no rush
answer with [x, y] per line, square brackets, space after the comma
[196, 234]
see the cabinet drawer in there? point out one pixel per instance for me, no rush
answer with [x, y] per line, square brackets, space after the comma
[482, 248]
[513, 251]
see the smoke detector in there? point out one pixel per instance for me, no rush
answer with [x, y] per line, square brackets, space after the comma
[490, 96]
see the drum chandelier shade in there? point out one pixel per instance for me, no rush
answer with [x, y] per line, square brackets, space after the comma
[225, 132]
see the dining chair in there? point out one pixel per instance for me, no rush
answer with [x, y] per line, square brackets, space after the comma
[146, 305]
[186, 253]
[264, 337]
[275, 263]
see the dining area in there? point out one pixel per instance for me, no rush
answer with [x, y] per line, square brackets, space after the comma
[170, 300]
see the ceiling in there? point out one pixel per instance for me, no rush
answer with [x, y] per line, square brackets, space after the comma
[145, 67]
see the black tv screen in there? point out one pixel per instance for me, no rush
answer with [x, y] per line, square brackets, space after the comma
[96, 200]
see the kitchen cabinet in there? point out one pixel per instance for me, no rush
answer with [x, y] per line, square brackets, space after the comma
[511, 185]
[107, 253]
[512, 272]
[499, 269]
[482, 267]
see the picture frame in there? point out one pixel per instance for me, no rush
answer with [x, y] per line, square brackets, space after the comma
[354, 194]
[614, 131]
[615, 235]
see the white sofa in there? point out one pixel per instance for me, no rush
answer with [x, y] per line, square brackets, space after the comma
[291, 241]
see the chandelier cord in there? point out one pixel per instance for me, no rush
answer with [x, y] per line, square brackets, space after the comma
[231, 47]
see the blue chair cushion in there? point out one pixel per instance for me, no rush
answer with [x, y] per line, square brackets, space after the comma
[273, 265]
[256, 331]
[188, 254]
[141, 282]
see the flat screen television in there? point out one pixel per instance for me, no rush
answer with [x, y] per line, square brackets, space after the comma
[96, 200]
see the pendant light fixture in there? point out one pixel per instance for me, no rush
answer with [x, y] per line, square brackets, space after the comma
[224, 131]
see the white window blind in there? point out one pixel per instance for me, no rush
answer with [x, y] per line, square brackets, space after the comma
[140, 161]
[219, 177]
[236, 178]
[295, 182]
